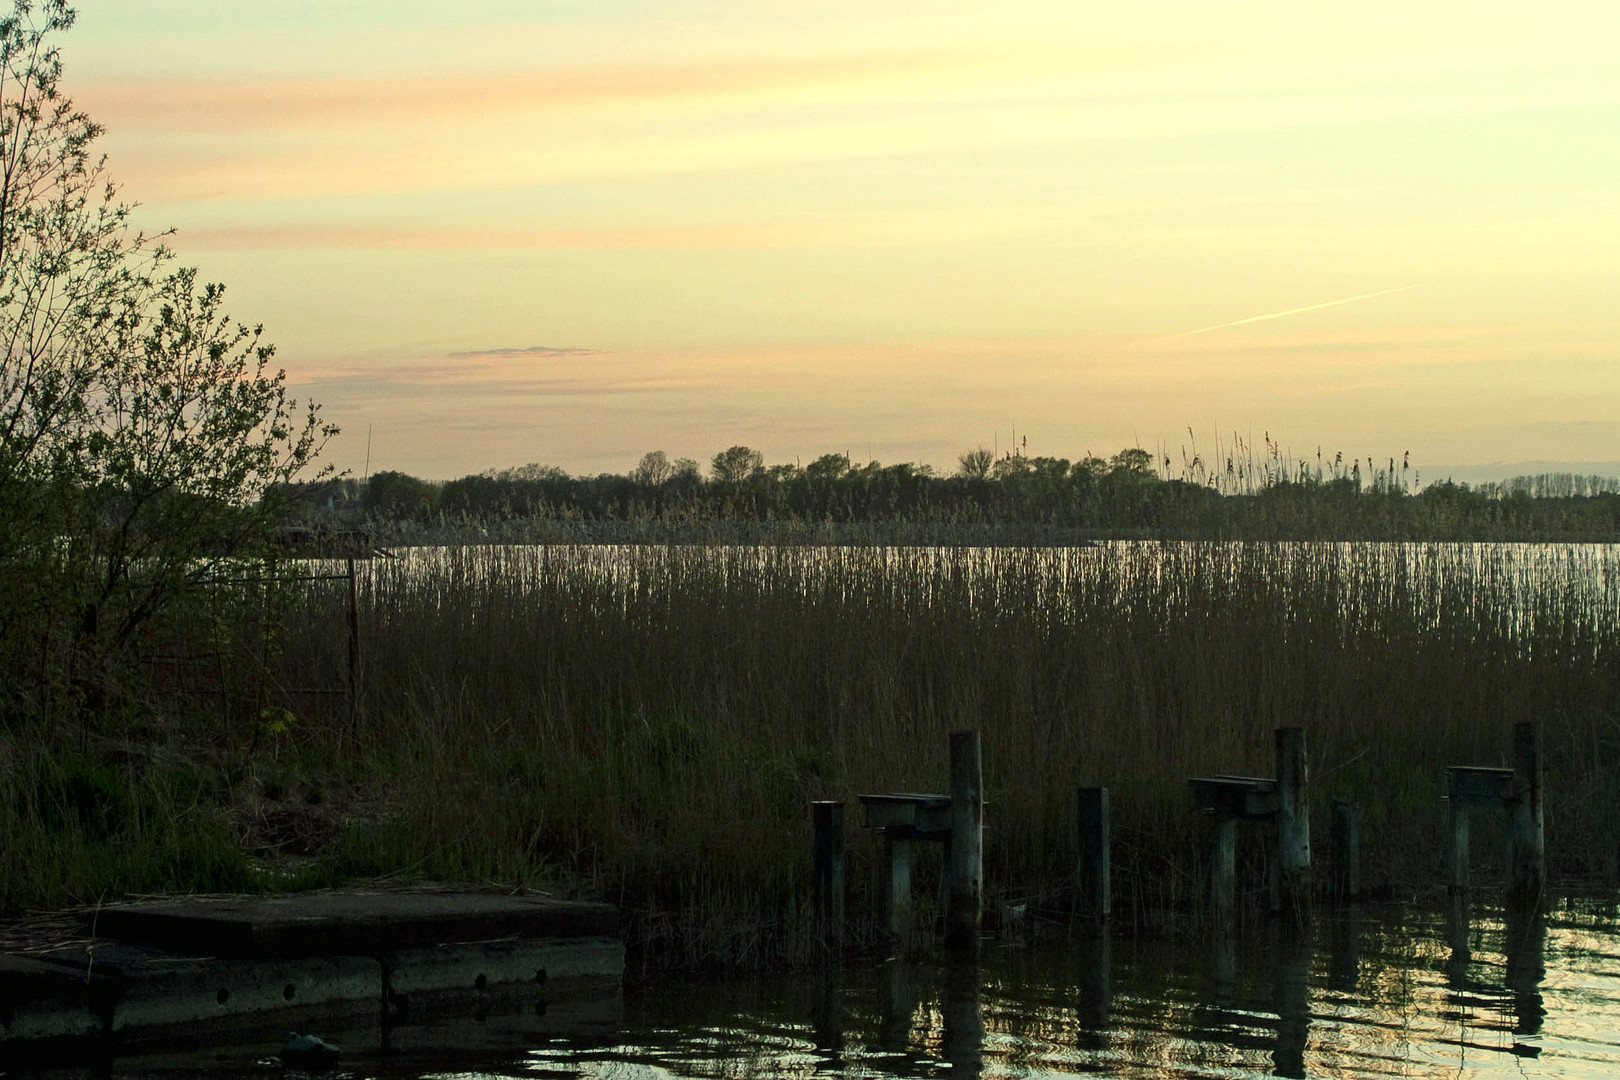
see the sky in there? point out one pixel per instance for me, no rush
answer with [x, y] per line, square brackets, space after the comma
[495, 232]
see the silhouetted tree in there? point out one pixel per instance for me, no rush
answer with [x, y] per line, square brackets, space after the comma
[653, 468]
[976, 464]
[828, 467]
[394, 496]
[145, 437]
[736, 464]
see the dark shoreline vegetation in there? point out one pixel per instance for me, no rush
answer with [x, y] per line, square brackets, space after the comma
[1010, 500]
[647, 724]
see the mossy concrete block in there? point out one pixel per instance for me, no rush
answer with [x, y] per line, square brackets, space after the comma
[45, 1002]
[338, 924]
[157, 988]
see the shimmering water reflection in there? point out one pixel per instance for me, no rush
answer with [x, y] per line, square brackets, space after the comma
[1379, 992]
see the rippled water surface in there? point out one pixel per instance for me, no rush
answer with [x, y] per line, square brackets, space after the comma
[1386, 992]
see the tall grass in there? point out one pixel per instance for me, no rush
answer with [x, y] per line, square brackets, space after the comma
[654, 720]
[647, 724]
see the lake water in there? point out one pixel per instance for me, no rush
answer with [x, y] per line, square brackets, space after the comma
[1386, 991]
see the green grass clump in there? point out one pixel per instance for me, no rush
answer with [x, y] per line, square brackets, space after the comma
[75, 830]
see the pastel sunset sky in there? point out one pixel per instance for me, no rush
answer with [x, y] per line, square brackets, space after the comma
[494, 232]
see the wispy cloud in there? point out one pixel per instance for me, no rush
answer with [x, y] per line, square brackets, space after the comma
[449, 389]
[1281, 314]
[419, 236]
[213, 105]
[526, 350]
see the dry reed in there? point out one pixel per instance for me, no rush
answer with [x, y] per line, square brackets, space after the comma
[652, 721]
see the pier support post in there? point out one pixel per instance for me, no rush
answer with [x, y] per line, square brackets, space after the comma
[965, 906]
[1223, 869]
[1528, 850]
[1346, 850]
[1293, 854]
[353, 684]
[1456, 845]
[1095, 870]
[827, 845]
[896, 884]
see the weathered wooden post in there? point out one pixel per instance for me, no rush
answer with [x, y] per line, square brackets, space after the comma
[1527, 846]
[1346, 849]
[1456, 843]
[354, 654]
[1223, 869]
[1095, 870]
[896, 883]
[1293, 823]
[827, 845]
[966, 867]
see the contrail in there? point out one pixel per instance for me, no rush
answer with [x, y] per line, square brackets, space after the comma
[1281, 314]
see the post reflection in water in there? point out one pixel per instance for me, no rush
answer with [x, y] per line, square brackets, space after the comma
[899, 1004]
[1096, 985]
[1428, 993]
[963, 1016]
[1489, 1015]
[1525, 949]
[827, 1019]
[1291, 995]
[1222, 965]
[1344, 950]
[1457, 937]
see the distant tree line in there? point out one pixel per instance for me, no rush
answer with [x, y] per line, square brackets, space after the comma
[1131, 493]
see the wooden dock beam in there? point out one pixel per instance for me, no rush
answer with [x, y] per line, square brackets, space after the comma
[827, 846]
[965, 872]
[1527, 841]
[1284, 803]
[1518, 791]
[1223, 869]
[1293, 839]
[896, 884]
[1346, 850]
[1094, 871]
[1456, 842]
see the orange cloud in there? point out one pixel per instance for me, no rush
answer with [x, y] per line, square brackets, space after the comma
[199, 105]
[314, 235]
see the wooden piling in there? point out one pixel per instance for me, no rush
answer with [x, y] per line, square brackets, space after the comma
[1223, 869]
[1527, 843]
[1095, 870]
[1456, 844]
[354, 654]
[896, 884]
[965, 870]
[827, 846]
[1293, 839]
[1346, 850]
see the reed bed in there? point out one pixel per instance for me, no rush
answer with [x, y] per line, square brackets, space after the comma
[651, 722]
[648, 723]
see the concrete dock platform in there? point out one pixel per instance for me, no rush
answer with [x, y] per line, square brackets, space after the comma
[179, 973]
[347, 924]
